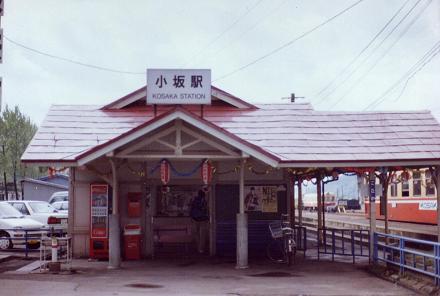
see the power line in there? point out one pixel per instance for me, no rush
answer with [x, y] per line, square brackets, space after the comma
[361, 52]
[416, 68]
[96, 67]
[376, 62]
[214, 40]
[288, 43]
[371, 53]
[258, 22]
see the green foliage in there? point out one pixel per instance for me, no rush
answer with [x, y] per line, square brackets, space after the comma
[16, 131]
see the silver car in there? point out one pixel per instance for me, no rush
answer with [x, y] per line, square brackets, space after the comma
[16, 229]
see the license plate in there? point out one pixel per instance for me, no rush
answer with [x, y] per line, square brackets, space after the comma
[33, 242]
[64, 222]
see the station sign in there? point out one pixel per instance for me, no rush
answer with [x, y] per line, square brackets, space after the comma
[178, 86]
[372, 183]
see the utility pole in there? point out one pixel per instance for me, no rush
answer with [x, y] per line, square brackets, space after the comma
[292, 98]
[4, 174]
[2, 6]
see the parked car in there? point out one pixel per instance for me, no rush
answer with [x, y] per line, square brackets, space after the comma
[61, 206]
[14, 226]
[59, 196]
[42, 212]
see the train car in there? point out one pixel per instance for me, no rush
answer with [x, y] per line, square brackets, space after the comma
[411, 198]
[310, 202]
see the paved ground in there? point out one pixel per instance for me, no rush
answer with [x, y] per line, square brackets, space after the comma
[202, 277]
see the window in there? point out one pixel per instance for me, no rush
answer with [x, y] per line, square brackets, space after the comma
[21, 208]
[430, 186]
[405, 189]
[393, 188]
[417, 183]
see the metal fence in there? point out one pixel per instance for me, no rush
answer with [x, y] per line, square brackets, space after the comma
[25, 240]
[408, 254]
[343, 242]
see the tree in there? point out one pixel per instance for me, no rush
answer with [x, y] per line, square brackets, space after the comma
[16, 131]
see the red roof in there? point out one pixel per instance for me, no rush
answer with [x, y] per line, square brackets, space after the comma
[288, 132]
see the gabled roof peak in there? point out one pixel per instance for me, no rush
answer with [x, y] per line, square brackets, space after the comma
[218, 96]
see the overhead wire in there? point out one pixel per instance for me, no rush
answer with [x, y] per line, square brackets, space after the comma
[72, 61]
[227, 29]
[416, 68]
[376, 62]
[353, 61]
[256, 24]
[287, 44]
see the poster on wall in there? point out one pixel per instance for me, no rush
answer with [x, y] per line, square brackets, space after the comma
[175, 201]
[262, 198]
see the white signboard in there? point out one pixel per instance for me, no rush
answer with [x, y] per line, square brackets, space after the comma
[178, 86]
[428, 205]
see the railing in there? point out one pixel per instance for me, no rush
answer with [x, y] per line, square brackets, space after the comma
[343, 242]
[63, 251]
[26, 240]
[408, 254]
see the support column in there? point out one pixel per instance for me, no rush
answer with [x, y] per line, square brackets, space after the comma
[318, 197]
[242, 225]
[372, 198]
[385, 198]
[292, 201]
[72, 202]
[323, 204]
[436, 177]
[114, 227]
[300, 202]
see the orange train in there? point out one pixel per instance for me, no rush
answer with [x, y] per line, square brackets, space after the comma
[411, 198]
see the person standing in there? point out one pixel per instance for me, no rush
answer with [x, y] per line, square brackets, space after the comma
[200, 216]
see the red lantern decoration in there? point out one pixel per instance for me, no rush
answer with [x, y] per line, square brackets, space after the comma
[51, 172]
[165, 172]
[206, 172]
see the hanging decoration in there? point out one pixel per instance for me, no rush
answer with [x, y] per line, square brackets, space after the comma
[206, 172]
[164, 171]
[254, 171]
[405, 176]
[51, 171]
[233, 170]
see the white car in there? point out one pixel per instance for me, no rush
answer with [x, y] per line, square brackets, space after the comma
[14, 226]
[61, 206]
[42, 212]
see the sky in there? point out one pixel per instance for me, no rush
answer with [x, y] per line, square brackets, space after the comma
[258, 50]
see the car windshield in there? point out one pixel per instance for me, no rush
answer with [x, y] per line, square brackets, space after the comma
[8, 211]
[42, 207]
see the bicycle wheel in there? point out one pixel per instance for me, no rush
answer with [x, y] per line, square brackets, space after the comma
[276, 251]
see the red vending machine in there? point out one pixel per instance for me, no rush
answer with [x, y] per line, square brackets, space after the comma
[100, 207]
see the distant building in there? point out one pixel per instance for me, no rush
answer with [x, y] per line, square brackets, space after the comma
[43, 188]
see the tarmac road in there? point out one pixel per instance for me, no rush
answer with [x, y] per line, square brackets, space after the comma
[202, 277]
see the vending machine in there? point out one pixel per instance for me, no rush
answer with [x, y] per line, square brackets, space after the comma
[100, 207]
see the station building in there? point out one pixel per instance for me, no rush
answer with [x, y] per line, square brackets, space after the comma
[133, 164]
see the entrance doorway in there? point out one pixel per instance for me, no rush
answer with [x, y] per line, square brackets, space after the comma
[178, 228]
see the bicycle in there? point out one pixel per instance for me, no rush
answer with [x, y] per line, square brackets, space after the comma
[282, 247]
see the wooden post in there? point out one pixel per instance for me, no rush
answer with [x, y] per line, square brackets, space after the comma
[242, 224]
[292, 201]
[300, 201]
[385, 182]
[318, 196]
[114, 227]
[372, 199]
[436, 177]
[323, 204]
